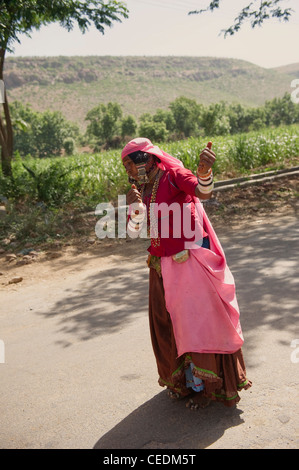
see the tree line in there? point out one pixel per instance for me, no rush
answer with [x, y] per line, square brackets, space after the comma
[49, 133]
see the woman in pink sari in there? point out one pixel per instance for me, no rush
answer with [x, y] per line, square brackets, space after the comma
[193, 310]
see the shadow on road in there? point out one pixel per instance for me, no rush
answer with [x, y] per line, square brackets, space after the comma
[264, 262]
[162, 424]
[104, 302]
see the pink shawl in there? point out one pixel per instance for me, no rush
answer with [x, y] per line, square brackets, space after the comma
[201, 300]
[200, 292]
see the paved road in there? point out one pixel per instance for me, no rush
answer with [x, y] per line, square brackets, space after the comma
[79, 370]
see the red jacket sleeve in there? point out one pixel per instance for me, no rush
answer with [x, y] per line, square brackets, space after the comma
[184, 180]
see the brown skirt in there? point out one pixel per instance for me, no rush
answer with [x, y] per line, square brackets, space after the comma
[223, 375]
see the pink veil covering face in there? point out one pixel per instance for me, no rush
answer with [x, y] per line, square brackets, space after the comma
[145, 145]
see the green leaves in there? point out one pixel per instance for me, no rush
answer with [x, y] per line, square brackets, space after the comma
[256, 13]
[242, 152]
[186, 114]
[87, 180]
[23, 16]
[40, 134]
[104, 122]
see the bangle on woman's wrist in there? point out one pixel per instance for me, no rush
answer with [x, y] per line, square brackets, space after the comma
[132, 225]
[206, 189]
[206, 184]
[204, 175]
[137, 217]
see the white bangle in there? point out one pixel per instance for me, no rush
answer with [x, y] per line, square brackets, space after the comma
[137, 217]
[206, 189]
[206, 184]
[134, 226]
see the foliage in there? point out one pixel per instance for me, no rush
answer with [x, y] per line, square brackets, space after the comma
[281, 111]
[50, 133]
[128, 126]
[153, 130]
[186, 114]
[104, 122]
[24, 138]
[256, 13]
[42, 134]
[69, 145]
[241, 153]
[162, 115]
[214, 119]
[46, 134]
[24, 16]
[87, 180]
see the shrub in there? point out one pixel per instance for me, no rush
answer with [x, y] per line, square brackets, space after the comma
[69, 145]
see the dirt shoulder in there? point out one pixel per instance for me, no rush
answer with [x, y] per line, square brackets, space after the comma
[244, 205]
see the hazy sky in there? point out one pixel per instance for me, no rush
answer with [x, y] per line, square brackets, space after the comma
[163, 28]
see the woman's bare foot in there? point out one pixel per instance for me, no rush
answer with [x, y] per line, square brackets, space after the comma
[173, 395]
[198, 400]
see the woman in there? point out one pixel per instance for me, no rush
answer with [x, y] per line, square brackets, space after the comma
[193, 310]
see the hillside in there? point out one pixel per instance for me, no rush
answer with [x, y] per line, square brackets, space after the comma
[292, 70]
[74, 85]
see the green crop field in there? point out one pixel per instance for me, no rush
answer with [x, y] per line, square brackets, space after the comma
[101, 177]
[52, 202]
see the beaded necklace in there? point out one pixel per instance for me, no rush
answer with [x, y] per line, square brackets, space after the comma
[153, 226]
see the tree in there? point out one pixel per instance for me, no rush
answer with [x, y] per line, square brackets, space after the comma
[162, 115]
[24, 16]
[50, 132]
[104, 122]
[69, 145]
[24, 141]
[153, 130]
[241, 118]
[256, 13]
[281, 111]
[186, 113]
[40, 134]
[214, 119]
[128, 126]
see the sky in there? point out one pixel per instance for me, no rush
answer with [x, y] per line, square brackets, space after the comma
[164, 28]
